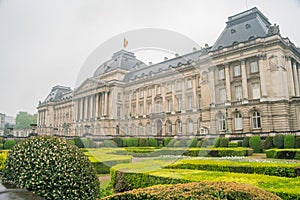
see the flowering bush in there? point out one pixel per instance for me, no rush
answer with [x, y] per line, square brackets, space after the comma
[52, 168]
[202, 190]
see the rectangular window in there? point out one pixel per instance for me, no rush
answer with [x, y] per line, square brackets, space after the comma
[158, 107]
[141, 109]
[221, 74]
[189, 84]
[190, 102]
[149, 91]
[141, 93]
[253, 67]
[178, 85]
[133, 110]
[169, 87]
[149, 108]
[169, 101]
[238, 93]
[255, 91]
[118, 111]
[158, 89]
[178, 103]
[237, 70]
[238, 122]
[222, 95]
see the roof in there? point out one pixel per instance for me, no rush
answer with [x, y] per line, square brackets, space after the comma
[121, 59]
[59, 93]
[242, 27]
[165, 65]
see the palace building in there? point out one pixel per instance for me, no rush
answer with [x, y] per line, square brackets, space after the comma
[247, 82]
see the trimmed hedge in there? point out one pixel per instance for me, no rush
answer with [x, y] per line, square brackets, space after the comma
[224, 142]
[9, 144]
[297, 142]
[201, 191]
[153, 142]
[118, 141]
[283, 153]
[3, 155]
[127, 177]
[272, 169]
[255, 143]
[246, 141]
[193, 152]
[268, 143]
[143, 142]
[289, 141]
[278, 141]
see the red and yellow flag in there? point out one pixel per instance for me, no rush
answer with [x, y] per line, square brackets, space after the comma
[125, 43]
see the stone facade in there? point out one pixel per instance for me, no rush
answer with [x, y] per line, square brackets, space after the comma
[247, 82]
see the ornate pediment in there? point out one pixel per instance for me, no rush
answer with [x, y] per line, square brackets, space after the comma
[90, 84]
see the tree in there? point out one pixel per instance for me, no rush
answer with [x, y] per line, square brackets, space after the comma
[24, 119]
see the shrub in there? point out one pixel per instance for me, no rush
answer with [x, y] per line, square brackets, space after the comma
[118, 141]
[180, 143]
[109, 143]
[216, 142]
[224, 142]
[278, 141]
[201, 191]
[52, 168]
[289, 141]
[172, 143]
[297, 142]
[208, 142]
[71, 142]
[255, 143]
[78, 142]
[153, 142]
[246, 141]
[240, 143]
[143, 142]
[132, 142]
[9, 144]
[192, 142]
[233, 144]
[283, 153]
[268, 143]
[167, 141]
[199, 143]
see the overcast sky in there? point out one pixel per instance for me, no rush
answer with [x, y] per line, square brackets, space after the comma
[44, 43]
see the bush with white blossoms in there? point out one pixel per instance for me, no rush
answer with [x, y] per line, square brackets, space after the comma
[52, 168]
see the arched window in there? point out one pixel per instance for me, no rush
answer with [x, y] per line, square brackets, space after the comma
[133, 129]
[141, 129]
[238, 121]
[149, 128]
[256, 121]
[221, 122]
[190, 128]
[169, 127]
[178, 126]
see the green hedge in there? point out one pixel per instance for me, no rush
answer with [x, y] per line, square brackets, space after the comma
[283, 153]
[289, 141]
[278, 141]
[193, 152]
[126, 177]
[224, 142]
[153, 142]
[255, 143]
[273, 169]
[200, 191]
[9, 144]
[245, 142]
[268, 143]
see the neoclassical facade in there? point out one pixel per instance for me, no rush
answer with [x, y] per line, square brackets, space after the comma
[247, 82]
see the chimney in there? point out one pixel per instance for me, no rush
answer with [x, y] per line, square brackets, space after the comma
[150, 63]
[194, 49]
[176, 54]
[165, 58]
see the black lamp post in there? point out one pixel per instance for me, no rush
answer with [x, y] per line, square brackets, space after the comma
[226, 122]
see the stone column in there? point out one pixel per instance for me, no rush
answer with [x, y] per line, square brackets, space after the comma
[92, 107]
[296, 79]
[105, 103]
[244, 80]
[81, 109]
[96, 105]
[227, 83]
[212, 85]
[289, 69]
[262, 75]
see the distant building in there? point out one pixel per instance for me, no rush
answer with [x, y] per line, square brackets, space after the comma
[10, 120]
[2, 122]
[247, 82]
